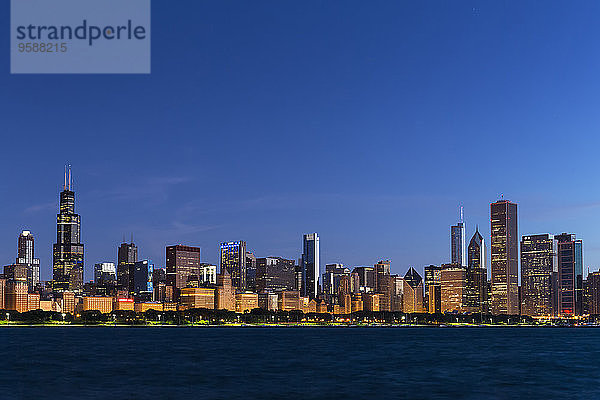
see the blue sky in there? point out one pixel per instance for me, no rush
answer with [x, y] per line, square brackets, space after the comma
[367, 122]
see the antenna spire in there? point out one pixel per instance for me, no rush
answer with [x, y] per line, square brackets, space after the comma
[461, 214]
[69, 177]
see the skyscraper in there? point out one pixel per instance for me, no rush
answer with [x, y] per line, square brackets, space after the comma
[539, 265]
[310, 265]
[105, 273]
[233, 259]
[383, 284]
[457, 242]
[127, 255]
[274, 274]
[476, 274]
[413, 292]
[140, 279]
[250, 271]
[182, 261]
[67, 267]
[26, 257]
[432, 287]
[505, 258]
[570, 275]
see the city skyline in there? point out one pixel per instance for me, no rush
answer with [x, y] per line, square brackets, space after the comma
[123, 247]
[381, 117]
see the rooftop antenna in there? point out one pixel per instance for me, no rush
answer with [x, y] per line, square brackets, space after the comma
[69, 177]
[65, 179]
[461, 214]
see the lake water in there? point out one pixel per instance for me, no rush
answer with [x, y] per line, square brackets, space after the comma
[299, 363]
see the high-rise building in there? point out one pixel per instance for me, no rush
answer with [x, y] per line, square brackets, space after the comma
[140, 279]
[233, 259]
[274, 274]
[250, 271]
[505, 258]
[67, 266]
[453, 289]
[413, 292]
[127, 255]
[476, 290]
[383, 284]
[105, 273]
[570, 275]
[225, 292]
[26, 257]
[432, 289]
[310, 265]
[332, 276]
[182, 261]
[539, 265]
[457, 242]
[366, 278]
[593, 283]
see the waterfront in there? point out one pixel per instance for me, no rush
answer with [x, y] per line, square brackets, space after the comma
[297, 362]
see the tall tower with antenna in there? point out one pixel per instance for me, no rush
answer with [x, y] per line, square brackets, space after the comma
[458, 248]
[67, 266]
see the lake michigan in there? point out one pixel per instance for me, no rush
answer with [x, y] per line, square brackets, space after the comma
[299, 363]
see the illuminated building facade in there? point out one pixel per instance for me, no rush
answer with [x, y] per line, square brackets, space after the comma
[233, 259]
[198, 298]
[288, 300]
[102, 304]
[570, 275]
[246, 302]
[26, 257]
[453, 289]
[539, 265]
[67, 266]
[505, 261]
[225, 292]
[431, 288]
[310, 265]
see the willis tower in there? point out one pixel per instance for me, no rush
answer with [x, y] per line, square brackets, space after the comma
[67, 270]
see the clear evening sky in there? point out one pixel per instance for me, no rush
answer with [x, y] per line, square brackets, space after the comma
[367, 122]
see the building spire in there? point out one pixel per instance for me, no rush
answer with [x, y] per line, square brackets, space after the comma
[69, 177]
[461, 214]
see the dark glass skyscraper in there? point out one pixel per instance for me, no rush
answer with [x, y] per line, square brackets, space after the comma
[310, 265]
[476, 274]
[127, 255]
[538, 269]
[505, 258]
[67, 269]
[570, 275]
